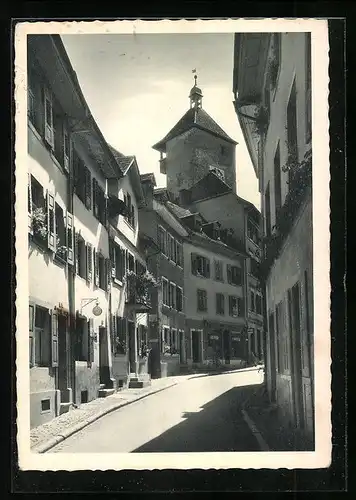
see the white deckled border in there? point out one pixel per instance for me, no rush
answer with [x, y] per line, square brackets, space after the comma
[321, 457]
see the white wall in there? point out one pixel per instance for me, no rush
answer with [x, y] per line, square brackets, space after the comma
[192, 283]
[47, 279]
[292, 65]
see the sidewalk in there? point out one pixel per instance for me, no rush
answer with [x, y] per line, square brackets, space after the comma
[46, 436]
[265, 422]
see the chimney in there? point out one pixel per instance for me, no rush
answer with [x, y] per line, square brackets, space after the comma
[148, 183]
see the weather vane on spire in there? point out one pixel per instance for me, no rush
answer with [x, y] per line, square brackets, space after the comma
[195, 76]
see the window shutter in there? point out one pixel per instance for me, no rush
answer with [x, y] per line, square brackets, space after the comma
[51, 222]
[32, 320]
[108, 273]
[66, 148]
[54, 339]
[123, 263]
[70, 238]
[48, 121]
[240, 304]
[29, 205]
[194, 263]
[76, 252]
[96, 268]
[132, 216]
[112, 250]
[228, 273]
[91, 340]
[207, 268]
[89, 261]
[87, 188]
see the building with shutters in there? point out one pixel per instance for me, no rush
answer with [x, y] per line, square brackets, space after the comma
[238, 223]
[272, 88]
[128, 306]
[163, 235]
[80, 201]
[214, 294]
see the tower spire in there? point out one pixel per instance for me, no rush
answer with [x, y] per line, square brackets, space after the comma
[196, 94]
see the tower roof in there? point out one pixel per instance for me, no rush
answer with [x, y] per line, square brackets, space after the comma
[193, 118]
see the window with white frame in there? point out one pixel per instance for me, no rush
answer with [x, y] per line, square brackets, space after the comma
[219, 273]
[234, 275]
[202, 300]
[162, 241]
[172, 295]
[42, 338]
[165, 343]
[179, 298]
[235, 306]
[200, 265]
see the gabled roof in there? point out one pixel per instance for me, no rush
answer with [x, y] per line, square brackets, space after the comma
[128, 165]
[124, 162]
[193, 118]
[207, 186]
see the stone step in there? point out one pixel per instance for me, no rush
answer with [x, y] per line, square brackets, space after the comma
[64, 408]
[138, 384]
[103, 393]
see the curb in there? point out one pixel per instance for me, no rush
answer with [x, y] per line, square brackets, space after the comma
[253, 428]
[237, 370]
[42, 448]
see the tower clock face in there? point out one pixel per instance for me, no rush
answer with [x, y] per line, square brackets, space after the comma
[218, 172]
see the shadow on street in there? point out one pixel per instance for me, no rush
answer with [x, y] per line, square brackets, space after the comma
[222, 372]
[217, 426]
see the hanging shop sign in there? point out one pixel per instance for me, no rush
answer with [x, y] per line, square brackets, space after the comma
[97, 310]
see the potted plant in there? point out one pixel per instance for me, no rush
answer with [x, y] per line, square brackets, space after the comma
[61, 250]
[39, 223]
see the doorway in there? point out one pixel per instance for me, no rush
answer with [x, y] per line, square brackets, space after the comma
[295, 337]
[226, 346]
[181, 347]
[62, 356]
[132, 346]
[272, 349]
[196, 346]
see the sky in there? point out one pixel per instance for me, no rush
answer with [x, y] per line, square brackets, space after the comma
[137, 88]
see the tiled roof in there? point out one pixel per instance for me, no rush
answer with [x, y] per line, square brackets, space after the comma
[193, 118]
[123, 161]
[177, 210]
[150, 176]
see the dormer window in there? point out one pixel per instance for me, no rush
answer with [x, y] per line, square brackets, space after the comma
[218, 172]
[130, 210]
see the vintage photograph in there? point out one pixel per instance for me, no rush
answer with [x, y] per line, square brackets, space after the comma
[171, 284]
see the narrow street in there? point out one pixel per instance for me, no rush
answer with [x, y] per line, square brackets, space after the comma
[198, 415]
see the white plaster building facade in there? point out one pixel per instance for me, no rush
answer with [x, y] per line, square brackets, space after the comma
[276, 89]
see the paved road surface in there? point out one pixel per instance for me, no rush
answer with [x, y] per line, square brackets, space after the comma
[197, 415]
